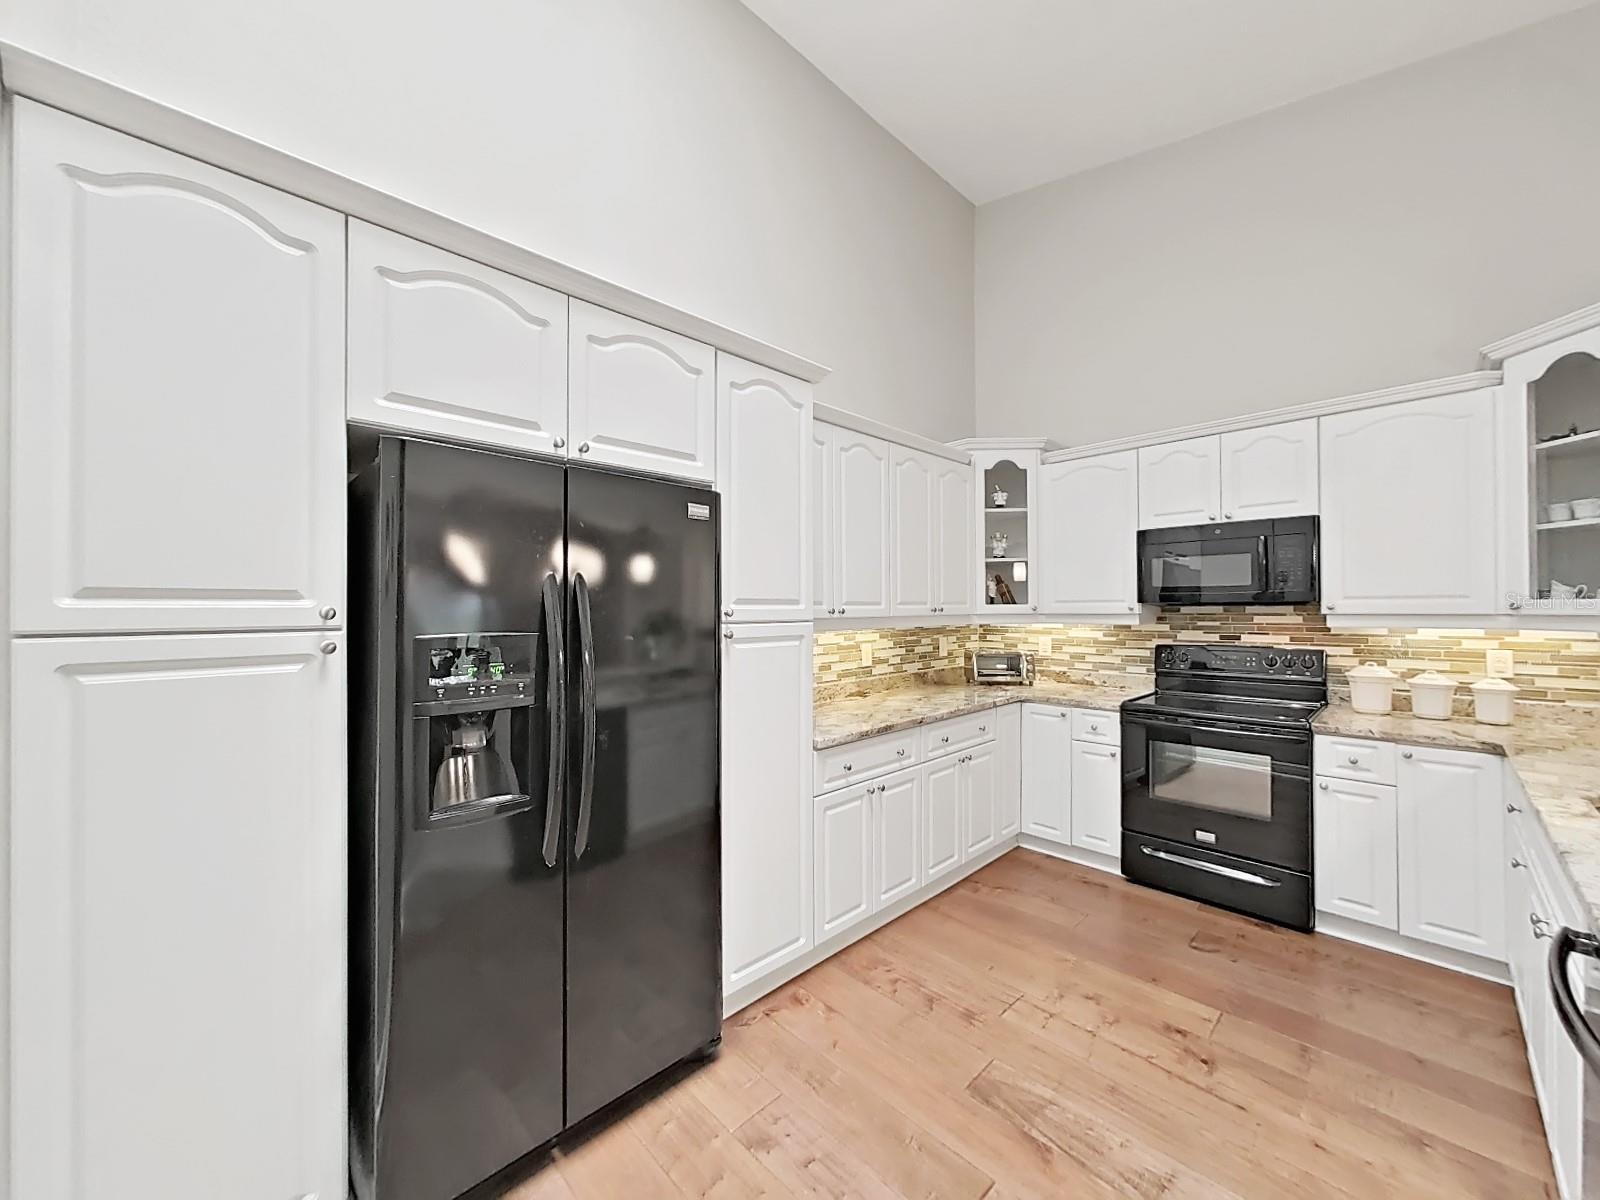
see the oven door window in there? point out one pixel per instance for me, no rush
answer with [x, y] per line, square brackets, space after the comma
[1231, 567]
[1212, 779]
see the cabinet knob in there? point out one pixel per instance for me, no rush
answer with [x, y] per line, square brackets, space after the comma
[1094, 726]
[328, 613]
[1512, 808]
[1405, 754]
[1227, 516]
[830, 612]
[727, 633]
[727, 612]
[329, 647]
[1211, 516]
[583, 447]
[1328, 607]
[841, 612]
[1130, 608]
[1323, 785]
[1062, 715]
[1353, 760]
[560, 443]
[1113, 754]
[900, 753]
[1538, 923]
[983, 729]
[945, 739]
[1513, 604]
[1034, 607]
[1517, 862]
[849, 766]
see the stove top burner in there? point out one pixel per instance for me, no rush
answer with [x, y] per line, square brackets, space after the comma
[1245, 685]
[1255, 710]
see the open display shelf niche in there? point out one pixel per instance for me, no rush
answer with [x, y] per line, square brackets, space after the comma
[1566, 467]
[1013, 479]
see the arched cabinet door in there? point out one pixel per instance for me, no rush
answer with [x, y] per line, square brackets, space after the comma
[640, 397]
[442, 345]
[178, 437]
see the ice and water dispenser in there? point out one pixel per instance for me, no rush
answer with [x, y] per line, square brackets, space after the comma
[473, 705]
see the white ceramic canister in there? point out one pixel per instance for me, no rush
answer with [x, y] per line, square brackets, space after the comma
[1494, 701]
[1433, 696]
[1372, 688]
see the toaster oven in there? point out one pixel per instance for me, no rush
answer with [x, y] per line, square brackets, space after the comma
[1000, 666]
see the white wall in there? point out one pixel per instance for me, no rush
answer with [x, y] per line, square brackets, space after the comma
[678, 147]
[1369, 237]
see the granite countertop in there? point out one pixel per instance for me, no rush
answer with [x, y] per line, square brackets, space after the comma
[1555, 750]
[837, 722]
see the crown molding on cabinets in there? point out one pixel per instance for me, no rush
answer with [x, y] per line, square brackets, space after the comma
[974, 444]
[24, 73]
[1552, 330]
[1449, 385]
[859, 424]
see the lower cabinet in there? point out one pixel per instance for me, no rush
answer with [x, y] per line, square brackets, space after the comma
[897, 837]
[941, 790]
[979, 818]
[767, 816]
[177, 919]
[1355, 850]
[1046, 771]
[844, 839]
[1097, 798]
[1008, 769]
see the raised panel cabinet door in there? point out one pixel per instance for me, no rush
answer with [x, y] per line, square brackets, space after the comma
[954, 560]
[1046, 772]
[442, 345]
[1180, 483]
[897, 837]
[1097, 798]
[942, 824]
[913, 526]
[177, 424]
[824, 530]
[861, 524]
[1008, 769]
[844, 859]
[766, 804]
[1452, 838]
[177, 929]
[640, 397]
[980, 822]
[1408, 507]
[1270, 472]
[1355, 849]
[1088, 527]
[764, 473]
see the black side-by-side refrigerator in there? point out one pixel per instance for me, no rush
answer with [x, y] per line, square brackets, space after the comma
[535, 884]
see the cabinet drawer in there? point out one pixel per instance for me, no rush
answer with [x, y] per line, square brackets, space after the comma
[1096, 725]
[958, 733]
[1355, 758]
[856, 761]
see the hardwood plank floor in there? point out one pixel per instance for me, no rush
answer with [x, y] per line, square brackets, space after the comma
[1045, 1030]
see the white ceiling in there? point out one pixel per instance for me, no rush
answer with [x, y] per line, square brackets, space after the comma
[1002, 95]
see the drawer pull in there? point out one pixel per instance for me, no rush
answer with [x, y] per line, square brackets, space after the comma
[1323, 785]
[983, 729]
[1405, 754]
[849, 767]
[1512, 808]
[1354, 760]
[900, 753]
[1094, 726]
[945, 739]
[1517, 862]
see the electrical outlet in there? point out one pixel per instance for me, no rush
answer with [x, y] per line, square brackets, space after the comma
[866, 653]
[1500, 663]
[1046, 645]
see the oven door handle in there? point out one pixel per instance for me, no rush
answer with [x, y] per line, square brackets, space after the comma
[1152, 721]
[1214, 868]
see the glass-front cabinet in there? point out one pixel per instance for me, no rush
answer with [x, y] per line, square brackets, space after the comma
[1550, 427]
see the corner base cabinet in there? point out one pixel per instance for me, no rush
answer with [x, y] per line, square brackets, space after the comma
[177, 920]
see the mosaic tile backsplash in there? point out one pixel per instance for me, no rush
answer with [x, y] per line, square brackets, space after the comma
[1549, 665]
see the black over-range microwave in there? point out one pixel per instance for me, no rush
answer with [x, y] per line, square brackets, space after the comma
[1238, 562]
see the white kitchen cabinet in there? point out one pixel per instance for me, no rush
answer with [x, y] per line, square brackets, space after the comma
[1408, 507]
[896, 837]
[1451, 849]
[1269, 472]
[1046, 772]
[764, 472]
[177, 420]
[952, 572]
[942, 827]
[980, 817]
[1180, 483]
[913, 532]
[1097, 798]
[766, 799]
[824, 521]
[1356, 851]
[843, 838]
[1088, 531]
[640, 397]
[1008, 769]
[177, 919]
[442, 345]
[861, 524]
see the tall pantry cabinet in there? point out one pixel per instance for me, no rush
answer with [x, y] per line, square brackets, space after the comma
[765, 474]
[177, 672]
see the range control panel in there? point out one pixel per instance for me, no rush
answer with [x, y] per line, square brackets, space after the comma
[1263, 662]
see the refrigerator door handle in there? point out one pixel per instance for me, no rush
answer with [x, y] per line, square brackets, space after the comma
[580, 600]
[556, 701]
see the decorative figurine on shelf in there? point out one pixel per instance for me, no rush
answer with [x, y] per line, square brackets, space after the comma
[999, 498]
[991, 591]
[997, 545]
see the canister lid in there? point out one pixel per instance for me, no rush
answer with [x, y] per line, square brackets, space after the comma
[1370, 670]
[1491, 684]
[1432, 679]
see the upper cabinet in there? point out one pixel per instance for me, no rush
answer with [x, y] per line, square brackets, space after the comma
[764, 471]
[445, 346]
[1549, 434]
[1180, 483]
[177, 440]
[952, 566]
[1270, 472]
[913, 528]
[1245, 475]
[1408, 507]
[1007, 507]
[824, 511]
[1088, 531]
[860, 525]
[640, 397]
